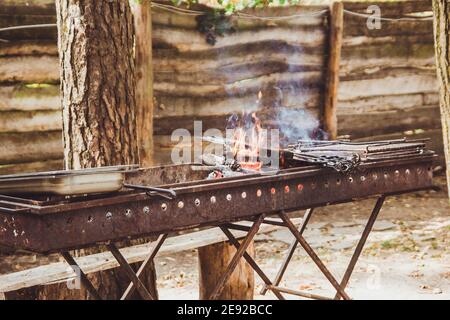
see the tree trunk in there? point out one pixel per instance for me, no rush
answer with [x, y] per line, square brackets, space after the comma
[213, 260]
[441, 9]
[144, 80]
[97, 82]
[96, 45]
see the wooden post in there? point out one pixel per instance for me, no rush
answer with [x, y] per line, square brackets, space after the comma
[213, 260]
[144, 80]
[332, 73]
[441, 9]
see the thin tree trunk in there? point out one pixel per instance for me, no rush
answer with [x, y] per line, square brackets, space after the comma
[441, 9]
[96, 45]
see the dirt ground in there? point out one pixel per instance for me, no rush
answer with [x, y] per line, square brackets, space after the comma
[406, 256]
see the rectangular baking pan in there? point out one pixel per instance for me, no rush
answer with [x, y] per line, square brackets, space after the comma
[66, 182]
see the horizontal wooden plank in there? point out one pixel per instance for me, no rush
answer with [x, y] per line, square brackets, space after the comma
[358, 27]
[307, 16]
[28, 69]
[269, 47]
[294, 97]
[372, 41]
[390, 8]
[40, 33]
[30, 97]
[391, 47]
[381, 72]
[369, 68]
[229, 58]
[376, 123]
[406, 84]
[29, 48]
[27, 7]
[49, 165]
[30, 147]
[59, 272]
[364, 105]
[244, 87]
[231, 73]
[29, 121]
[185, 40]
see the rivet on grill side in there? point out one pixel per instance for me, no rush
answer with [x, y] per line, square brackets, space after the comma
[258, 193]
[374, 176]
[362, 178]
[300, 187]
[229, 197]
[286, 189]
[109, 215]
[197, 202]
[244, 195]
[213, 199]
[350, 179]
[338, 182]
[326, 184]
[397, 173]
[128, 212]
[164, 207]
[273, 191]
[90, 219]
[407, 171]
[146, 210]
[180, 204]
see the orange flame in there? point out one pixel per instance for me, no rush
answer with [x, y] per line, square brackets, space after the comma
[246, 141]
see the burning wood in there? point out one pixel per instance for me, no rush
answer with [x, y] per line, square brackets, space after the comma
[246, 133]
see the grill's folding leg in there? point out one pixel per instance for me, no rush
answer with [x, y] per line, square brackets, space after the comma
[360, 245]
[145, 294]
[83, 278]
[293, 246]
[313, 255]
[235, 260]
[159, 242]
[251, 261]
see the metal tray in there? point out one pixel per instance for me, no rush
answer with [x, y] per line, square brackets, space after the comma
[66, 182]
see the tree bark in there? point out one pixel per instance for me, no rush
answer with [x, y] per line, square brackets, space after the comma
[213, 260]
[97, 82]
[96, 46]
[441, 9]
[144, 80]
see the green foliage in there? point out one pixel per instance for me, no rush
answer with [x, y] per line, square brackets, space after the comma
[231, 6]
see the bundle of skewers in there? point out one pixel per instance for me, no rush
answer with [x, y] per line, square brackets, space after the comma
[344, 156]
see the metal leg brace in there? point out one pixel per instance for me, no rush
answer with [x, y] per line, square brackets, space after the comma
[135, 282]
[299, 239]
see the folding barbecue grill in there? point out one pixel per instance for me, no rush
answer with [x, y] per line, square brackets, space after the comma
[160, 200]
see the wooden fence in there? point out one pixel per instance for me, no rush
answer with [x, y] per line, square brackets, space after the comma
[30, 112]
[388, 79]
[387, 76]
